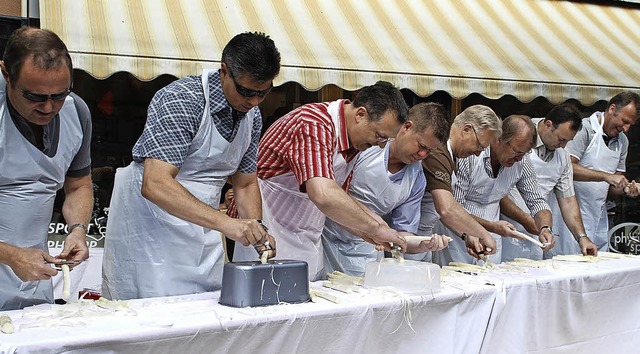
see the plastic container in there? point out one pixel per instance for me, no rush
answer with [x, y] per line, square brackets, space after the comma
[411, 277]
[255, 284]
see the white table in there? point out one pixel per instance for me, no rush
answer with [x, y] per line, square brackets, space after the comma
[582, 309]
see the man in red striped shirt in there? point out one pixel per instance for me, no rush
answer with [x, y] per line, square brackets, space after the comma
[304, 160]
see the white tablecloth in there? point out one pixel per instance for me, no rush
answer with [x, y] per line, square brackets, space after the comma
[586, 309]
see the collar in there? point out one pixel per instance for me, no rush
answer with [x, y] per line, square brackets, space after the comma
[218, 105]
[344, 147]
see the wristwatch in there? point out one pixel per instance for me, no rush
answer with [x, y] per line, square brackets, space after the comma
[580, 236]
[545, 227]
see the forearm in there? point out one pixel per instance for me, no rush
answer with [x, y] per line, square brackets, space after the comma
[7, 252]
[543, 218]
[511, 210]
[247, 197]
[337, 205]
[571, 215]
[454, 216]
[78, 202]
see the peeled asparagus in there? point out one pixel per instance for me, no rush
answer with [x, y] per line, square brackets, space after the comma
[6, 325]
[66, 282]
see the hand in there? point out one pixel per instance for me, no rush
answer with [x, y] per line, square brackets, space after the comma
[616, 180]
[476, 246]
[587, 247]
[437, 243]
[247, 231]
[384, 236]
[546, 237]
[267, 244]
[632, 189]
[505, 229]
[31, 264]
[75, 246]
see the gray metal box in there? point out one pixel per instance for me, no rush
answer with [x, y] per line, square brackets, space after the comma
[255, 284]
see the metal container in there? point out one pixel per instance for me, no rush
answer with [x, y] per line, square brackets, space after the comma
[255, 284]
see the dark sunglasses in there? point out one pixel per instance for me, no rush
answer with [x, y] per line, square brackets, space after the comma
[245, 92]
[36, 97]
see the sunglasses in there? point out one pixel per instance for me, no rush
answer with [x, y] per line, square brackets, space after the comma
[245, 92]
[39, 98]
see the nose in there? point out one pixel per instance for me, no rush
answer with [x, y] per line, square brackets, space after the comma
[255, 100]
[380, 144]
[519, 157]
[626, 127]
[47, 106]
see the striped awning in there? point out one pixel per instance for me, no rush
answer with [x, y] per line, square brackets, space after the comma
[524, 48]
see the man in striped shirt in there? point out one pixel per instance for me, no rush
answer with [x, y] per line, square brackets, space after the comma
[304, 160]
[485, 179]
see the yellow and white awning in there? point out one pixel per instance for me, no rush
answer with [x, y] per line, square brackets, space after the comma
[524, 48]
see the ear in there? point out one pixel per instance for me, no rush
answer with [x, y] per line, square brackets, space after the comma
[612, 109]
[407, 125]
[361, 115]
[4, 71]
[223, 69]
[547, 123]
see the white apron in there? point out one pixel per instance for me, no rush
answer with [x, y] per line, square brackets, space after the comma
[149, 252]
[484, 202]
[291, 216]
[548, 174]
[29, 181]
[592, 196]
[372, 186]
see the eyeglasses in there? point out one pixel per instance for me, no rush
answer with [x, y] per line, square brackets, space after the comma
[39, 98]
[480, 147]
[518, 153]
[245, 92]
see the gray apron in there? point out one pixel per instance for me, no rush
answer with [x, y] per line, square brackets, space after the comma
[548, 174]
[370, 185]
[291, 216]
[29, 181]
[149, 252]
[592, 196]
[484, 202]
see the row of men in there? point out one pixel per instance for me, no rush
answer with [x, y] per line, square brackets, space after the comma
[163, 236]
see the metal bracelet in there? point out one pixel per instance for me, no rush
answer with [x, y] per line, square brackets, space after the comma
[75, 226]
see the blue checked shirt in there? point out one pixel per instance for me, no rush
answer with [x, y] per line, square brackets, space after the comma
[174, 116]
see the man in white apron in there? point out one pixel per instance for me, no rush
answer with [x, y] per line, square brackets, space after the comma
[45, 136]
[485, 179]
[390, 182]
[471, 133]
[555, 174]
[304, 160]
[163, 234]
[598, 153]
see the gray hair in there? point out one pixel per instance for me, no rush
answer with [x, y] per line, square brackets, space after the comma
[481, 118]
[516, 123]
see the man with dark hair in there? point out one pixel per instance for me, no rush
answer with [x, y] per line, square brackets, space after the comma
[305, 157]
[390, 182]
[599, 153]
[163, 234]
[555, 174]
[45, 136]
[483, 180]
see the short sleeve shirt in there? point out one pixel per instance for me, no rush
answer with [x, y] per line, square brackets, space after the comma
[580, 142]
[303, 142]
[438, 169]
[174, 117]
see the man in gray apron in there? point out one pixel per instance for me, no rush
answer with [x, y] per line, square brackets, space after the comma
[164, 229]
[555, 174]
[390, 182]
[45, 135]
[471, 133]
[599, 153]
[305, 159]
[485, 179]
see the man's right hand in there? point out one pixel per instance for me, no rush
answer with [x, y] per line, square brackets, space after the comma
[480, 245]
[32, 264]
[616, 180]
[384, 236]
[246, 231]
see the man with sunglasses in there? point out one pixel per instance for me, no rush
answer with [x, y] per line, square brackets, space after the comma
[304, 160]
[483, 180]
[390, 182]
[555, 174]
[470, 134]
[45, 135]
[164, 229]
